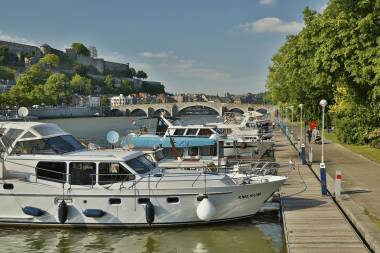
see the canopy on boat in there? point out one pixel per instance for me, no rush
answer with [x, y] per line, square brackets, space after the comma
[154, 141]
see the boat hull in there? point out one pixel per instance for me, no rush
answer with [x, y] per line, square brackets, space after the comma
[232, 203]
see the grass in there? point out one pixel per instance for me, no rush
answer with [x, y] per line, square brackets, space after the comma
[364, 150]
[373, 218]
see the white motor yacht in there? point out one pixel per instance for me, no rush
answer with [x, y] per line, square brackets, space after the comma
[48, 178]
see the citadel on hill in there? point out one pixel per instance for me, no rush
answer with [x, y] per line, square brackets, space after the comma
[107, 78]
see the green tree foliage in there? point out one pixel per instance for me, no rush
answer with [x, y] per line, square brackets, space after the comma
[57, 88]
[126, 87]
[141, 74]
[79, 48]
[50, 60]
[7, 73]
[80, 69]
[104, 101]
[108, 85]
[81, 85]
[153, 89]
[131, 73]
[339, 48]
[3, 54]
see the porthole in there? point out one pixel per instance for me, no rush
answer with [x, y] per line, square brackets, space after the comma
[8, 186]
[114, 201]
[172, 200]
[143, 200]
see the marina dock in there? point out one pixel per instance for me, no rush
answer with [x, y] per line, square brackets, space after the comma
[312, 222]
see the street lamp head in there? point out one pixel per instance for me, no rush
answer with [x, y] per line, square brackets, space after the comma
[300, 106]
[323, 103]
[291, 107]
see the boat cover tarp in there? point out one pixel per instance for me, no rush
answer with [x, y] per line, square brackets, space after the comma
[152, 141]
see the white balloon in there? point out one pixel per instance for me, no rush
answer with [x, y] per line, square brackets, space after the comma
[206, 210]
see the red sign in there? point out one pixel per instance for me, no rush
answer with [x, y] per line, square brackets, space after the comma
[313, 124]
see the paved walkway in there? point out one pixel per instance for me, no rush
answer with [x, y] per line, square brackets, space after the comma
[312, 223]
[360, 186]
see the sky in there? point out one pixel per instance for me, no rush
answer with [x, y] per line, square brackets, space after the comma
[193, 46]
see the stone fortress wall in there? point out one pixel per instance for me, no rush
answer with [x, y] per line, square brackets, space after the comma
[100, 64]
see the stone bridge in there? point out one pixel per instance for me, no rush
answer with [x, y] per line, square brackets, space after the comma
[175, 109]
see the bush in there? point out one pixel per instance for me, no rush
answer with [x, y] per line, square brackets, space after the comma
[7, 73]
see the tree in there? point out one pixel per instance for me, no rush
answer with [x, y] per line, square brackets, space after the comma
[141, 74]
[79, 48]
[108, 85]
[57, 88]
[6, 73]
[126, 87]
[336, 51]
[104, 101]
[131, 72]
[153, 89]
[3, 54]
[80, 85]
[80, 69]
[50, 60]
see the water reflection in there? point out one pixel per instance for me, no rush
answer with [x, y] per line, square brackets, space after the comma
[244, 236]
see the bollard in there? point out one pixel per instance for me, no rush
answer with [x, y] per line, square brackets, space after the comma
[310, 155]
[322, 171]
[303, 154]
[338, 183]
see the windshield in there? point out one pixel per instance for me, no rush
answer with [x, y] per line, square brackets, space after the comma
[54, 145]
[159, 155]
[140, 164]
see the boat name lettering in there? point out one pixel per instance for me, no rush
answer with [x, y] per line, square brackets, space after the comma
[248, 196]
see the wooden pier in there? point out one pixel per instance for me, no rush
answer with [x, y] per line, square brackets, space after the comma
[312, 223]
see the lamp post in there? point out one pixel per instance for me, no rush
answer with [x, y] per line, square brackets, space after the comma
[302, 145]
[292, 108]
[301, 118]
[322, 166]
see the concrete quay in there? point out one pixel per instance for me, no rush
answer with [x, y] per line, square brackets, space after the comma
[312, 222]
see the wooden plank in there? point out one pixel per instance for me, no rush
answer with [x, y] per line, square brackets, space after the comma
[312, 223]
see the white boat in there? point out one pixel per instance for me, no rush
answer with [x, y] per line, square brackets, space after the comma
[47, 178]
[234, 146]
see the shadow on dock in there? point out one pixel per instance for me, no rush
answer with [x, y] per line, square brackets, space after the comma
[296, 203]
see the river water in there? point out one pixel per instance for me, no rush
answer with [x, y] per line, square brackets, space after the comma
[262, 234]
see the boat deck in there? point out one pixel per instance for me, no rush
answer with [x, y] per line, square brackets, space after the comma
[312, 223]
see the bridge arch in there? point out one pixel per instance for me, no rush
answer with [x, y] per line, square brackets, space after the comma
[236, 109]
[138, 112]
[162, 110]
[210, 108]
[116, 112]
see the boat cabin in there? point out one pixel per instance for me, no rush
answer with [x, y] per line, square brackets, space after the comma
[44, 153]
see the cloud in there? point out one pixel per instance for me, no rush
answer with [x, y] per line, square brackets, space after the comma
[17, 39]
[272, 24]
[151, 55]
[267, 2]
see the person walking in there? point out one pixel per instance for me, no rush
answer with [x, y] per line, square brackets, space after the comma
[309, 134]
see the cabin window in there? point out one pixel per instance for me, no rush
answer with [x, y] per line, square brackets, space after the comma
[193, 151]
[159, 155]
[207, 150]
[52, 171]
[28, 135]
[48, 129]
[140, 164]
[172, 152]
[110, 173]
[54, 145]
[32, 147]
[82, 173]
[11, 135]
[205, 132]
[192, 131]
[179, 131]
